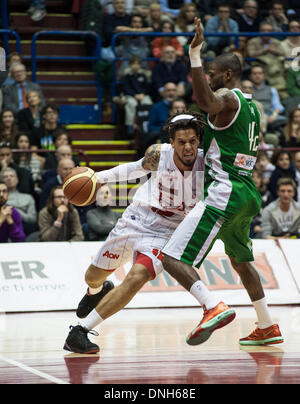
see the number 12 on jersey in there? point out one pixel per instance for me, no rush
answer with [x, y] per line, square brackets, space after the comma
[253, 140]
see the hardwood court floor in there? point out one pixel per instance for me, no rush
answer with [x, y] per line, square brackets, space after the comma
[147, 346]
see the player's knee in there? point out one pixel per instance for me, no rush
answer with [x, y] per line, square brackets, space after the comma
[94, 276]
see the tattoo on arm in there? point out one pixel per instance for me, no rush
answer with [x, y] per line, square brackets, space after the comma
[152, 156]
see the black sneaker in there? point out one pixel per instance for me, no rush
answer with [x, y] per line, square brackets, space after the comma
[77, 341]
[89, 302]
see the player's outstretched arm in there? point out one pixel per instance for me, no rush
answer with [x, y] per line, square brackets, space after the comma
[207, 100]
[132, 170]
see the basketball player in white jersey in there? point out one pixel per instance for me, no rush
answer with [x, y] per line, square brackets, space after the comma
[159, 205]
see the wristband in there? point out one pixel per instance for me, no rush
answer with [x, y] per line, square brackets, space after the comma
[195, 57]
[57, 223]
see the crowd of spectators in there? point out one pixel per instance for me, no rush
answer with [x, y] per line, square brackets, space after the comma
[153, 78]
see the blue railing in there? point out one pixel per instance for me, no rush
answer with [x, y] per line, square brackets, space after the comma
[95, 57]
[9, 32]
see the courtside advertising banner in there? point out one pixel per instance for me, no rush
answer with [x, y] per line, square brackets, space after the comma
[50, 276]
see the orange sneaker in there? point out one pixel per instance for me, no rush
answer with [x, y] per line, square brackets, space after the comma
[215, 318]
[265, 336]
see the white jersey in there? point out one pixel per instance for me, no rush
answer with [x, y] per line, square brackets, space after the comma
[158, 207]
[168, 190]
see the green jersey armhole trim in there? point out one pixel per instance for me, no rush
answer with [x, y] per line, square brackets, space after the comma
[234, 118]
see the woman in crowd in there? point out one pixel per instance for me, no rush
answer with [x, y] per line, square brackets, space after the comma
[160, 42]
[185, 23]
[50, 125]
[101, 219]
[29, 119]
[291, 131]
[8, 126]
[283, 168]
[28, 160]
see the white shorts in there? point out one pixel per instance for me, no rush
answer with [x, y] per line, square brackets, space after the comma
[139, 236]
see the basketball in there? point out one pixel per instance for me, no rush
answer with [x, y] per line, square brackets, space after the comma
[80, 186]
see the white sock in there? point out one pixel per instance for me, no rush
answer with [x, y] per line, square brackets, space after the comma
[203, 295]
[263, 315]
[94, 291]
[92, 320]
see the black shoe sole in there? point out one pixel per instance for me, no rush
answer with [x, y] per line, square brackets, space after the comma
[66, 347]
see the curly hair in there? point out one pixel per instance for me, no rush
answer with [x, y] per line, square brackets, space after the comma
[197, 122]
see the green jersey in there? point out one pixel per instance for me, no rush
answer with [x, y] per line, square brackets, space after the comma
[230, 155]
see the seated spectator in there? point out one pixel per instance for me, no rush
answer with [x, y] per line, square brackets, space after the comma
[62, 152]
[297, 168]
[11, 228]
[8, 126]
[209, 8]
[59, 220]
[159, 113]
[291, 132]
[291, 42]
[282, 161]
[269, 52]
[155, 17]
[61, 137]
[281, 218]
[293, 82]
[172, 8]
[111, 21]
[269, 98]
[13, 57]
[264, 166]
[64, 168]
[159, 43]
[136, 88]
[250, 18]
[26, 183]
[185, 23]
[44, 138]
[248, 88]
[101, 219]
[14, 96]
[133, 45]
[29, 160]
[177, 106]
[266, 199]
[109, 6]
[221, 23]
[277, 18]
[30, 119]
[169, 69]
[142, 7]
[24, 203]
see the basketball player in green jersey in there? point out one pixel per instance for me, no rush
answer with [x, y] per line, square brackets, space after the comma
[231, 199]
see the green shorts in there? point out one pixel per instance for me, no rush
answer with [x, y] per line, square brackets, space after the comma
[195, 236]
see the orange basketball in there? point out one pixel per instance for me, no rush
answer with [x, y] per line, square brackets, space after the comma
[80, 187]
